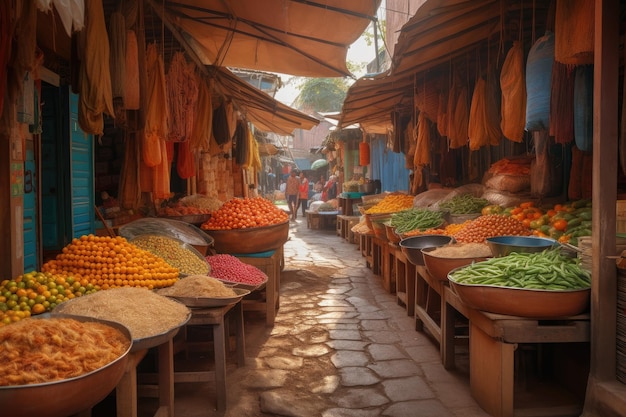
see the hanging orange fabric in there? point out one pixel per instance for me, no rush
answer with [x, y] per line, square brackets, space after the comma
[203, 121]
[156, 113]
[459, 120]
[364, 154]
[574, 32]
[185, 162]
[95, 78]
[513, 86]
[422, 150]
[161, 174]
[132, 96]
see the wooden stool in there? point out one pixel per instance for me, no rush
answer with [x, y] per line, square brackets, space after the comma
[271, 264]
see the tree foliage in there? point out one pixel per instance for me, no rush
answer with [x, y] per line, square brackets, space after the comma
[321, 94]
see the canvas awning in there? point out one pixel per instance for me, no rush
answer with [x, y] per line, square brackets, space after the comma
[258, 107]
[443, 34]
[297, 37]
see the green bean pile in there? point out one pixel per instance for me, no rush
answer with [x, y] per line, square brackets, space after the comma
[464, 204]
[416, 218]
[547, 270]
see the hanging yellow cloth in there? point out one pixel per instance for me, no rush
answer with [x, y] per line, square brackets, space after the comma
[95, 77]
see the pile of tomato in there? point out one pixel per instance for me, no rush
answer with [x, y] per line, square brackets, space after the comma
[563, 222]
[242, 213]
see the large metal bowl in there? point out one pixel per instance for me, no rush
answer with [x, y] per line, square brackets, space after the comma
[412, 246]
[522, 302]
[69, 396]
[250, 240]
[505, 245]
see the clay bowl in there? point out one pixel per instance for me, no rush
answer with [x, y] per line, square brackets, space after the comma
[412, 246]
[68, 396]
[250, 240]
[439, 267]
[521, 302]
[505, 245]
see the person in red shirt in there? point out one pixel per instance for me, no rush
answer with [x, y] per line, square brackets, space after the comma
[303, 193]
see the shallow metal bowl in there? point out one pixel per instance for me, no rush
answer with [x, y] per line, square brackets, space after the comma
[68, 396]
[412, 246]
[521, 302]
[505, 245]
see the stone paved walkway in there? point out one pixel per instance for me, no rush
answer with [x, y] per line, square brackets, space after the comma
[341, 347]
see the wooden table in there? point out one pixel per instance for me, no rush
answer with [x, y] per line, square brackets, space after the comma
[215, 318]
[494, 338]
[268, 298]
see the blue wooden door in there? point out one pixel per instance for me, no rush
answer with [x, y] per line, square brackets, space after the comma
[30, 213]
[67, 171]
[81, 177]
[54, 168]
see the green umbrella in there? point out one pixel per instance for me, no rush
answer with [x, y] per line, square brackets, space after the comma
[320, 163]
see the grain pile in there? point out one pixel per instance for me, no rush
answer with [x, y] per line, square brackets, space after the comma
[202, 286]
[462, 250]
[142, 311]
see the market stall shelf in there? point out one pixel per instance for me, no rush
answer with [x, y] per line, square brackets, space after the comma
[497, 344]
[344, 227]
[266, 298]
[321, 219]
[405, 279]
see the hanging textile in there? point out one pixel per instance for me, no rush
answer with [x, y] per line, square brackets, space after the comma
[182, 92]
[117, 59]
[129, 195]
[23, 51]
[513, 98]
[457, 131]
[132, 93]
[453, 96]
[242, 144]
[255, 158]
[538, 80]
[422, 149]
[221, 128]
[71, 13]
[161, 175]
[185, 162]
[156, 113]
[95, 78]
[484, 118]
[574, 32]
[442, 115]
[203, 121]
[426, 99]
[562, 103]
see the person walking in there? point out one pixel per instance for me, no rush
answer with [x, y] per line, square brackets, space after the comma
[303, 193]
[291, 193]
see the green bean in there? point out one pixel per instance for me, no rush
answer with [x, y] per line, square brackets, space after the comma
[549, 270]
[464, 204]
[415, 218]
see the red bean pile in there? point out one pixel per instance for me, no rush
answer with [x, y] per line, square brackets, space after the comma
[490, 226]
[230, 268]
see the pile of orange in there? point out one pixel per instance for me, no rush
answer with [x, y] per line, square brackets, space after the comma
[242, 213]
[110, 262]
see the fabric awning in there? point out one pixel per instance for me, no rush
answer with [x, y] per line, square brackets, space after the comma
[259, 108]
[297, 37]
[442, 34]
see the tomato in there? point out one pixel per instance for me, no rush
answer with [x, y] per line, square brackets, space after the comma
[527, 204]
[560, 225]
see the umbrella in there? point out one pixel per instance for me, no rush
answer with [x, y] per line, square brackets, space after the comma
[320, 163]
